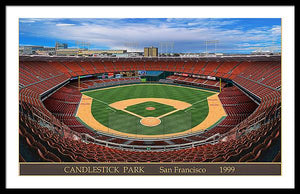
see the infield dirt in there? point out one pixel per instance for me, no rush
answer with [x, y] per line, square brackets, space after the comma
[216, 112]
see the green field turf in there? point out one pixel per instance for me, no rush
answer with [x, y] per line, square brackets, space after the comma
[121, 121]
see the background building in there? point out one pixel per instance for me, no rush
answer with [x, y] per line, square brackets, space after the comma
[67, 52]
[150, 51]
[21, 50]
[46, 51]
[135, 54]
[29, 50]
[85, 52]
[60, 46]
[102, 52]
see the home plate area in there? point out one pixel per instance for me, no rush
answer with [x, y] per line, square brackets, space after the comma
[150, 121]
[150, 110]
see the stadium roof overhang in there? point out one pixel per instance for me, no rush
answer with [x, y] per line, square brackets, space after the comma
[83, 59]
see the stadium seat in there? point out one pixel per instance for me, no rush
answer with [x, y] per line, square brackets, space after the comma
[260, 79]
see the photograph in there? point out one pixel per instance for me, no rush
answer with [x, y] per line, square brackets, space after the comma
[124, 92]
[178, 90]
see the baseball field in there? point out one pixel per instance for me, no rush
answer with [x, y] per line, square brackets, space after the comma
[149, 110]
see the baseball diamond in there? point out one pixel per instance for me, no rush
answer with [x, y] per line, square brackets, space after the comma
[178, 110]
[205, 109]
[153, 109]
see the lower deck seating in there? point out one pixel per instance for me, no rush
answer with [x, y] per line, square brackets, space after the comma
[54, 135]
[212, 84]
[55, 148]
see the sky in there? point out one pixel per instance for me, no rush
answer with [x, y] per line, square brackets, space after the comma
[182, 35]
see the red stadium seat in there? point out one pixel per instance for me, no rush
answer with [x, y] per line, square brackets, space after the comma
[261, 79]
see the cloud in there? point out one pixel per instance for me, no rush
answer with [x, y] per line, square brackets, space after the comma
[65, 24]
[215, 23]
[33, 20]
[186, 33]
[26, 21]
[276, 30]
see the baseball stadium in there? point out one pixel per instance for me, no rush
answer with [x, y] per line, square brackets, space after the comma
[150, 109]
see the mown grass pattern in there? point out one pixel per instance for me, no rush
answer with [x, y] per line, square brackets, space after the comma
[121, 121]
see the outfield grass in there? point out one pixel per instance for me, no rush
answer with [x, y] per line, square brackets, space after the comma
[177, 122]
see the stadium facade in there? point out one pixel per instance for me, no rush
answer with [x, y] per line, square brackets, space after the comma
[249, 89]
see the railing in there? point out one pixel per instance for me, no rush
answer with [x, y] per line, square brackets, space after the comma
[64, 131]
[260, 119]
[210, 140]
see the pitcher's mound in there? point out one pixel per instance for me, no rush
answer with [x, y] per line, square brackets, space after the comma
[150, 121]
[150, 108]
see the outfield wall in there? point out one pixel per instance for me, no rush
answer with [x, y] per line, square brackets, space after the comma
[177, 84]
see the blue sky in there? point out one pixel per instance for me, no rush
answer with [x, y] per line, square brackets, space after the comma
[234, 35]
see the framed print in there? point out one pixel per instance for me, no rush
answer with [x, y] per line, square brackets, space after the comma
[151, 92]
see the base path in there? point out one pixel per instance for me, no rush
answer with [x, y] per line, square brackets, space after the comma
[150, 121]
[177, 104]
[216, 112]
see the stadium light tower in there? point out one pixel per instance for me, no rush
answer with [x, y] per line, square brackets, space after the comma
[165, 45]
[132, 45]
[82, 44]
[210, 42]
[161, 45]
[172, 46]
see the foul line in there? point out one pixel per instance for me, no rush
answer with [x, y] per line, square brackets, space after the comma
[132, 113]
[103, 103]
[159, 117]
[194, 104]
[214, 115]
[108, 106]
[199, 101]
